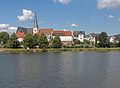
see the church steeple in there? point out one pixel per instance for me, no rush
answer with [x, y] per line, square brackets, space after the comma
[35, 26]
[35, 21]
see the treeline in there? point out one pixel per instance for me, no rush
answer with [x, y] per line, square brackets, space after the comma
[34, 41]
[29, 41]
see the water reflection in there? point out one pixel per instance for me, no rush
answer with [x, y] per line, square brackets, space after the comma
[60, 70]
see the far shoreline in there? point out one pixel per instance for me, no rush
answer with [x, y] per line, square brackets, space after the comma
[37, 50]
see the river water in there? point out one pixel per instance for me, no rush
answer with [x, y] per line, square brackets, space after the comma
[60, 70]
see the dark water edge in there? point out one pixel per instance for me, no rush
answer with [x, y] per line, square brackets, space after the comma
[60, 70]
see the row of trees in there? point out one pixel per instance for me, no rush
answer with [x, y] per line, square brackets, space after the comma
[31, 41]
[102, 40]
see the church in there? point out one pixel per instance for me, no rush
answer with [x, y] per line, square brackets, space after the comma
[66, 36]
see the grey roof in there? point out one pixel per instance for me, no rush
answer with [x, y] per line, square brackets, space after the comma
[25, 30]
[76, 33]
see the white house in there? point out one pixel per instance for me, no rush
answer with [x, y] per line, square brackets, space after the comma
[65, 36]
[79, 35]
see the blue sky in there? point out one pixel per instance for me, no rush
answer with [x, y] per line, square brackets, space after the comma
[84, 15]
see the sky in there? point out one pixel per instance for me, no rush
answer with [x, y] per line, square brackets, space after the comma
[81, 15]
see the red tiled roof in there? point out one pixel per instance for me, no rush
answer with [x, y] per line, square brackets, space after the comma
[20, 34]
[47, 31]
[62, 33]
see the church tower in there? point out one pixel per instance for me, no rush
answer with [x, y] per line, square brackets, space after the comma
[35, 26]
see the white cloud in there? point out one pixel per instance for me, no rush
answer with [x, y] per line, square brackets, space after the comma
[108, 4]
[2, 26]
[74, 25]
[118, 19]
[110, 16]
[7, 28]
[62, 1]
[27, 15]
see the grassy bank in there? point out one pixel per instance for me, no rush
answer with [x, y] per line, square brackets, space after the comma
[56, 50]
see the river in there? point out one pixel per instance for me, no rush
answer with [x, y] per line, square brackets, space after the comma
[60, 70]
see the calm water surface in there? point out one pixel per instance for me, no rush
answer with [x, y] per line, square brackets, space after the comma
[60, 70]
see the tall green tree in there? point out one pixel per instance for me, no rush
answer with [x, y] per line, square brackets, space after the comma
[103, 40]
[56, 42]
[13, 42]
[4, 37]
[29, 41]
[118, 40]
[42, 41]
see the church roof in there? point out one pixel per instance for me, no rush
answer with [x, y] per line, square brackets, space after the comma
[25, 30]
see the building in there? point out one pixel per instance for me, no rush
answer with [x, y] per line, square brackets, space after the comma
[48, 32]
[21, 31]
[92, 37]
[65, 36]
[79, 35]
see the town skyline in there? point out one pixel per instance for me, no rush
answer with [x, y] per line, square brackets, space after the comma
[83, 15]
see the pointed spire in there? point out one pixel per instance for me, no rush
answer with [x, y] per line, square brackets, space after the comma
[35, 21]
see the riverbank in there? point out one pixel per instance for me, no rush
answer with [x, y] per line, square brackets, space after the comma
[56, 50]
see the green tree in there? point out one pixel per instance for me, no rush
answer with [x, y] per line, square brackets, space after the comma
[76, 41]
[103, 40]
[117, 39]
[42, 41]
[56, 42]
[4, 37]
[13, 42]
[29, 41]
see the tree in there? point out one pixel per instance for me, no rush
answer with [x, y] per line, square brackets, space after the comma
[29, 41]
[42, 41]
[13, 42]
[76, 41]
[103, 40]
[4, 37]
[117, 39]
[56, 42]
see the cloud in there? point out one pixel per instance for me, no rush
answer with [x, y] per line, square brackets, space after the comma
[63, 1]
[27, 15]
[110, 16]
[74, 25]
[108, 4]
[7, 28]
[2, 26]
[118, 19]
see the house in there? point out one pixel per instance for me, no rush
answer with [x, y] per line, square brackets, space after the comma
[112, 39]
[79, 35]
[92, 37]
[65, 36]
[48, 32]
[21, 32]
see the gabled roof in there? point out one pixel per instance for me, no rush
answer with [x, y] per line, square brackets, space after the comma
[46, 31]
[22, 29]
[25, 30]
[62, 33]
[76, 33]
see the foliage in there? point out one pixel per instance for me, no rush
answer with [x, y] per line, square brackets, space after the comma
[103, 40]
[13, 43]
[42, 41]
[76, 41]
[29, 41]
[56, 42]
[118, 40]
[86, 41]
[4, 37]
